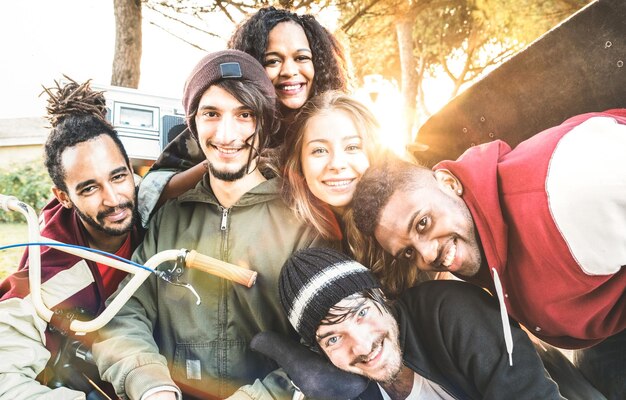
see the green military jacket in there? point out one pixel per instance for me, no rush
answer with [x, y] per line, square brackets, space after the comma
[161, 336]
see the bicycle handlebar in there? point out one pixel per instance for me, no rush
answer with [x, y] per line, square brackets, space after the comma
[192, 259]
[220, 268]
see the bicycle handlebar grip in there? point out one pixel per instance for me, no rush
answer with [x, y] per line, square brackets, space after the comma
[4, 201]
[220, 268]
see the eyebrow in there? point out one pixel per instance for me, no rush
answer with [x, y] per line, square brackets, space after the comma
[88, 182]
[343, 139]
[276, 53]
[84, 184]
[214, 108]
[324, 336]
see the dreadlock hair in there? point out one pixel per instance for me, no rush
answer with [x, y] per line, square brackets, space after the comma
[76, 114]
[329, 63]
[295, 189]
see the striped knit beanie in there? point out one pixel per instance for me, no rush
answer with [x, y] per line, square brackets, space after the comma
[315, 279]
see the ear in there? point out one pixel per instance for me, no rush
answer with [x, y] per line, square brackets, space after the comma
[447, 181]
[62, 197]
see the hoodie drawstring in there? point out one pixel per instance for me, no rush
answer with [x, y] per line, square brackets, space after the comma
[508, 337]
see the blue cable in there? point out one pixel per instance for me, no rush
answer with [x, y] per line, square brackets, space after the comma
[49, 244]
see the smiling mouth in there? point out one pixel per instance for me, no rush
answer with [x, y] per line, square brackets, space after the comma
[374, 354]
[291, 87]
[448, 258]
[338, 184]
[377, 349]
[225, 150]
[116, 214]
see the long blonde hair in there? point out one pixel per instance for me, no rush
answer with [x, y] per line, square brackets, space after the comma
[395, 276]
[295, 189]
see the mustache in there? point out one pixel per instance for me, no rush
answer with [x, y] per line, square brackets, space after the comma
[112, 210]
[237, 144]
[364, 357]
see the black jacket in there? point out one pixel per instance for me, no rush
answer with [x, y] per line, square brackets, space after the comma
[451, 334]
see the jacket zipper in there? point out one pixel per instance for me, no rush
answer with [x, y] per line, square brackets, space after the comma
[224, 218]
[222, 314]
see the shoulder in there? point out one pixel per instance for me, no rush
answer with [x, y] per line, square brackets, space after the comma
[58, 223]
[434, 298]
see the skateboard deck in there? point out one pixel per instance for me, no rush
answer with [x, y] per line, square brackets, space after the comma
[576, 67]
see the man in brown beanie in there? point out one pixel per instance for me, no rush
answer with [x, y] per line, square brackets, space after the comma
[162, 345]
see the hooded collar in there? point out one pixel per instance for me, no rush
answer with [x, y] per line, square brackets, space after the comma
[265, 191]
[477, 170]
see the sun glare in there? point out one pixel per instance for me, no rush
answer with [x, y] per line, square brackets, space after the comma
[383, 98]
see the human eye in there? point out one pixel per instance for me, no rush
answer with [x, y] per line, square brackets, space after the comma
[319, 151]
[331, 341]
[363, 312]
[246, 115]
[422, 224]
[87, 190]
[209, 114]
[119, 177]
[271, 62]
[408, 253]
[303, 58]
[354, 147]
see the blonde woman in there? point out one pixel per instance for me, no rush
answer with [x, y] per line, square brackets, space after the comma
[334, 139]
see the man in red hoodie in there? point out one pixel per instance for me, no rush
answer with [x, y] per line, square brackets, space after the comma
[542, 226]
[94, 206]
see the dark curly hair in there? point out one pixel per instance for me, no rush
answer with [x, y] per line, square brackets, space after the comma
[331, 72]
[378, 184]
[77, 114]
[372, 194]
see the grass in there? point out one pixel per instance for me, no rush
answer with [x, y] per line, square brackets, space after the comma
[11, 233]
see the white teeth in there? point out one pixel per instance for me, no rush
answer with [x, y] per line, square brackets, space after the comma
[374, 354]
[291, 87]
[226, 151]
[450, 256]
[338, 183]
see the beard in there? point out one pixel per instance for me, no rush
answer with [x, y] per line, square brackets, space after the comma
[390, 371]
[227, 176]
[98, 222]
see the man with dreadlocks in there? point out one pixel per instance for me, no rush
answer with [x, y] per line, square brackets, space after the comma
[93, 206]
[161, 344]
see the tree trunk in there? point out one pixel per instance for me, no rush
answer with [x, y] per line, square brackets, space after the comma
[408, 66]
[127, 57]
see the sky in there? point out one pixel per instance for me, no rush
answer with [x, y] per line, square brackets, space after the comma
[43, 39]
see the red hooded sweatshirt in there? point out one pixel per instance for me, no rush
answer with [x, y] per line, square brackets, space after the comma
[551, 217]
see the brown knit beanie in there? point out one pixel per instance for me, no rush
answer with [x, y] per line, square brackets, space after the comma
[224, 64]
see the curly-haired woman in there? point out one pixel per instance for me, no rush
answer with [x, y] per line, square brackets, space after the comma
[302, 59]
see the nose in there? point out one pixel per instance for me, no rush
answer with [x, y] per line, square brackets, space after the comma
[225, 131]
[289, 68]
[427, 250]
[110, 197]
[338, 161]
[362, 341]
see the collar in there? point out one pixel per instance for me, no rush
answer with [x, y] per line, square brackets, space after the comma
[263, 192]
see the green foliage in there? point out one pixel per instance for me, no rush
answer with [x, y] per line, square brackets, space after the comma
[30, 183]
[442, 28]
[11, 234]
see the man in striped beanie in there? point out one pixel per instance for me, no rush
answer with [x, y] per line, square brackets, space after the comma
[439, 340]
